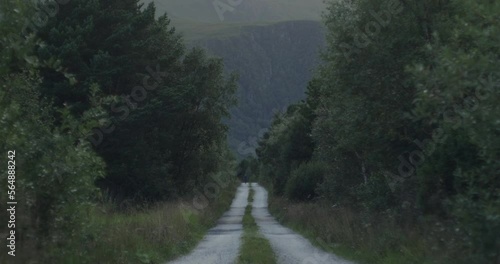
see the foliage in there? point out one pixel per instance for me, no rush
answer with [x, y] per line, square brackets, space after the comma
[55, 167]
[170, 101]
[406, 116]
[247, 168]
[68, 76]
[287, 144]
[375, 195]
[304, 181]
[155, 233]
[459, 94]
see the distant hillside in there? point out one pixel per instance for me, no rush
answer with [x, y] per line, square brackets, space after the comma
[246, 11]
[275, 63]
[198, 19]
[272, 44]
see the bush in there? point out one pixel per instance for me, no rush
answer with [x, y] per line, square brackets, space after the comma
[375, 194]
[304, 180]
[54, 170]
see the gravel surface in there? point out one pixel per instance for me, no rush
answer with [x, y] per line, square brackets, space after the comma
[222, 243]
[289, 247]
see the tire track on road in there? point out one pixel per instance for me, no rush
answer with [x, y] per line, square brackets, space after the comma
[222, 243]
[289, 247]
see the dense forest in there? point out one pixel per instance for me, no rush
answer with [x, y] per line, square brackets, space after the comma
[114, 122]
[401, 122]
[102, 101]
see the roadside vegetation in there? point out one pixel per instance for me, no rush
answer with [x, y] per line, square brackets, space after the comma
[393, 157]
[132, 234]
[120, 135]
[121, 153]
[255, 248]
[344, 232]
[151, 235]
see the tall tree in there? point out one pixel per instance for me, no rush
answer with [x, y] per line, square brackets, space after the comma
[169, 101]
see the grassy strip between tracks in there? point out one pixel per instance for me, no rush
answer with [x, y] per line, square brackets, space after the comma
[255, 248]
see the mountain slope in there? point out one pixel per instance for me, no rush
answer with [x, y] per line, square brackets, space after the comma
[272, 44]
[198, 19]
[275, 63]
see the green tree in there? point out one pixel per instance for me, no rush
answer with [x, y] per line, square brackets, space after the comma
[458, 93]
[287, 145]
[166, 117]
[55, 167]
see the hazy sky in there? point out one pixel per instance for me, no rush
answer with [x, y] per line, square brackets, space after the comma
[217, 11]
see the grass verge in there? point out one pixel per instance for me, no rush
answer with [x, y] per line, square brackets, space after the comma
[376, 240]
[155, 235]
[255, 248]
[150, 234]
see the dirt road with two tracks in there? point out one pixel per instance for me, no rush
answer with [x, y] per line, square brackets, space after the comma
[221, 244]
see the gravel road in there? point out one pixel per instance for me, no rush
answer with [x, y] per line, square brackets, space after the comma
[222, 243]
[289, 247]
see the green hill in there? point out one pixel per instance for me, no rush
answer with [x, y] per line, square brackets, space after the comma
[275, 63]
[272, 44]
[198, 19]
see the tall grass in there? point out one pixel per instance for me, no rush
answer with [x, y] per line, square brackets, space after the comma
[370, 238]
[148, 234]
[157, 234]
